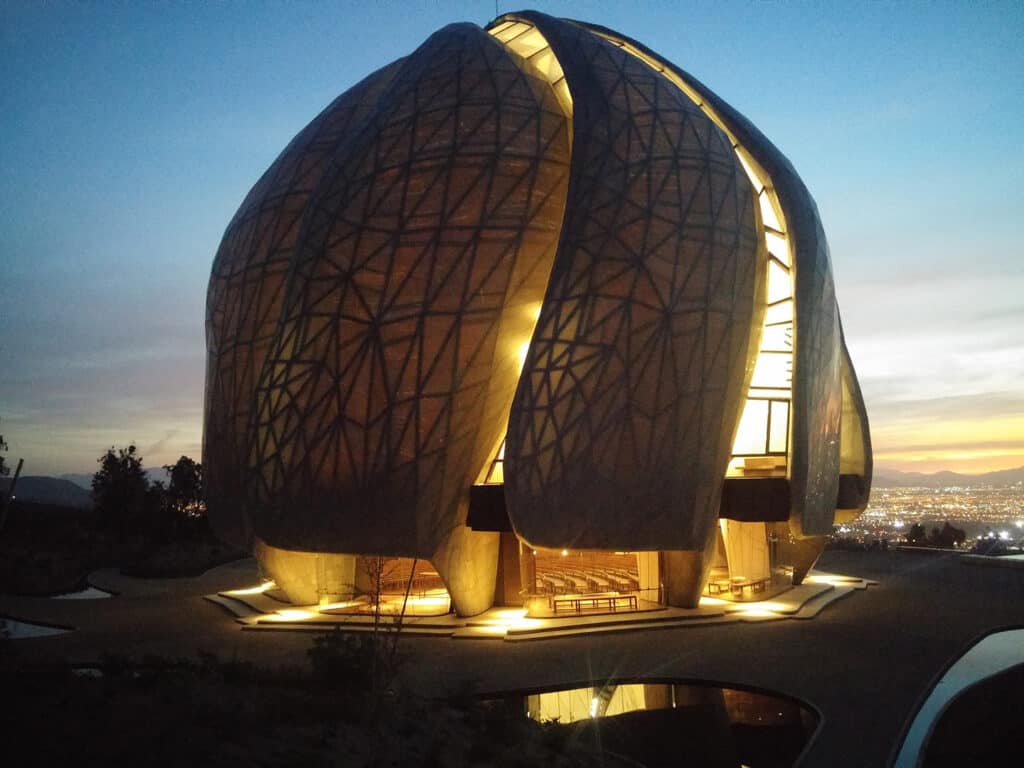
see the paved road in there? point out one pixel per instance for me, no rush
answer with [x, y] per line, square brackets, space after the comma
[865, 662]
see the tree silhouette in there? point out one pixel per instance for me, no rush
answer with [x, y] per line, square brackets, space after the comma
[4, 469]
[122, 495]
[948, 537]
[916, 534]
[184, 495]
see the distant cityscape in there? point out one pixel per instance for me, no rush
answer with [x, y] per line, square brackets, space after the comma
[996, 512]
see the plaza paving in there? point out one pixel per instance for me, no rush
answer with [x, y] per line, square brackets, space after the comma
[260, 608]
[865, 662]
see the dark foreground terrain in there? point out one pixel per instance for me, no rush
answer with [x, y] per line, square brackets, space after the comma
[865, 663]
[49, 550]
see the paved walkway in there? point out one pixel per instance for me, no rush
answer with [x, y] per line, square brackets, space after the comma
[866, 662]
[261, 609]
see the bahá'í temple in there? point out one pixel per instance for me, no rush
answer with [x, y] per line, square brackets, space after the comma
[530, 317]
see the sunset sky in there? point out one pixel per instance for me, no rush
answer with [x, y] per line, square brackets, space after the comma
[132, 131]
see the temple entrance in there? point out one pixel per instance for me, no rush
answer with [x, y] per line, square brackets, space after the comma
[394, 581]
[564, 582]
[746, 565]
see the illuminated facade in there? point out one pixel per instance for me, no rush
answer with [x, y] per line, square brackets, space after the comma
[535, 312]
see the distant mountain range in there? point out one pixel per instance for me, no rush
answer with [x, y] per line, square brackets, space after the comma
[49, 490]
[891, 478]
[85, 481]
[70, 490]
[82, 481]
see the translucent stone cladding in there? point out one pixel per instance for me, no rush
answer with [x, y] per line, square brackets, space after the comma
[817, 390]
[820, 353]
[539, 247]
[246, 294]
[626, 410]
[365, 303]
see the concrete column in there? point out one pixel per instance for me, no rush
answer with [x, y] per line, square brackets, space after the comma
[467, 562]
[686, 571]
[527, 568]
[804, 553]
[649, 576]
[308, 578]
[508, 590]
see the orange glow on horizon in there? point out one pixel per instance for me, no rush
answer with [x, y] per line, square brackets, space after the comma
[964, 462]
[970, 446]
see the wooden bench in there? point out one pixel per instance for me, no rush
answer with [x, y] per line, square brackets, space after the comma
[737, 587]
[578, 602]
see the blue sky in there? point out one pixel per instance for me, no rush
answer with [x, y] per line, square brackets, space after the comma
[132, 131]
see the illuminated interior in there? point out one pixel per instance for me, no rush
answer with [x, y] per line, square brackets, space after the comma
[496, 469]
[526, 41]
[579, 581]
[761, 445]
[536, 57]
[493, 472]
[852, 457]
[416, 583]
[349, 584]
[574, 704]
[746, 567]
[739, 707]
[638, 723]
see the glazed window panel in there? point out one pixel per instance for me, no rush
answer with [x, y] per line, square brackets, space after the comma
[763, 428]
[768, 214]
[778, 246]
[779, 313]
[561, 88]
[496, 471]
[778, 429]
[510, 30]
[780, 285]
[763, 394]
[528, 43]
[750, 166]
[499, 29]
[773, 370]
[777, 338]
[852, 453]
[753, 428]
[546, 63]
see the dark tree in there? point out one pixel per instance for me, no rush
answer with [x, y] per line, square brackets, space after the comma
[957, 535]
[948, 537]
[184, 494]
[916, 534]
[4, 469]
[122, 495]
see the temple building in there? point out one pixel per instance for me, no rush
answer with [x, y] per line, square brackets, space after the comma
[530, 317]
